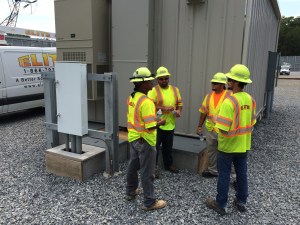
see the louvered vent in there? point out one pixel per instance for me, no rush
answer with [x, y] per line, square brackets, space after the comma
[74, 56]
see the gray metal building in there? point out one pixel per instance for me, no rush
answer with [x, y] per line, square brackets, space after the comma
[194, 40]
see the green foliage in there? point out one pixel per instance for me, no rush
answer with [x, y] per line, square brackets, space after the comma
[289, 36]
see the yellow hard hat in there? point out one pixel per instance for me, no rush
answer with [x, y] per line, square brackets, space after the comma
[240, 73]
[141, 74]
[219, 78]
[162, 71]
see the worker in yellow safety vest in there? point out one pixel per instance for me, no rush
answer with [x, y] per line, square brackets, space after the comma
[235, 123]
[209, 110]
[142, 124]
[168, 101]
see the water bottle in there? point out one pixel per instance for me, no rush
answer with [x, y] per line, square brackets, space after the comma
[158, 113]
[201, 137]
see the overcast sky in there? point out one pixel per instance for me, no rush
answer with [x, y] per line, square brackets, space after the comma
[40, 16]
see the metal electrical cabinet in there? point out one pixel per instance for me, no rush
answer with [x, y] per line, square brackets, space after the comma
[71, 93]
[82, 35]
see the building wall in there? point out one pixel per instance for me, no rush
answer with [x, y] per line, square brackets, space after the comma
[194, 41]
[262, 39]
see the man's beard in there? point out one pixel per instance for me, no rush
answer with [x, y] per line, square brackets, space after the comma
[164, 85]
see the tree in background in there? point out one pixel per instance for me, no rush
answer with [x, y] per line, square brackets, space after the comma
[289, 36]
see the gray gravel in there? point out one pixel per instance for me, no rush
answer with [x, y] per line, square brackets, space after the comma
[29, 195]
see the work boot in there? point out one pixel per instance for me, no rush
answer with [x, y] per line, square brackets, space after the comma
[172, 169]
[132, 197]
[158, 204]
[240, 206]
[157, 173]
[208, 174]
[234, 185]
[211, 203]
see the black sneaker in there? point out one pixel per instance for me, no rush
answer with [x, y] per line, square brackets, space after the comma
[172, 169]
[208, 174]
[132, 197]
[234, 185]
[240, 206]
[211, 203]
[157, 174]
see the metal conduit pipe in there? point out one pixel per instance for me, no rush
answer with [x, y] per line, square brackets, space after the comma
[67, 143]
[78, 144]
[73, 143]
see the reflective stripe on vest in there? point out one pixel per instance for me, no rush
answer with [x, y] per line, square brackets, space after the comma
[160, 99]
[137, 124]
[253, 111]
[236, 121]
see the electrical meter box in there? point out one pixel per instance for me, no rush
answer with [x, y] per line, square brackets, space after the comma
[71, 98]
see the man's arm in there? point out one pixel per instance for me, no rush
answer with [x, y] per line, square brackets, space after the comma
[201, 122]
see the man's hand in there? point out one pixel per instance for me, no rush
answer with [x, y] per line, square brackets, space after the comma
[214, 118]
[199, 130]
[177, 113]
[161, 122]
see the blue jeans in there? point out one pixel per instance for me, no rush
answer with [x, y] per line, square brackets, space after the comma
[224, 163]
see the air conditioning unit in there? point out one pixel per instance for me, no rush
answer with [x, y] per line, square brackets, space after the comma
[82, 36]
[194, 1]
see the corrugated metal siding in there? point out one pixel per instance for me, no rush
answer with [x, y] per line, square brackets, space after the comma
[130, 43]
[194, 42]
[262, 38]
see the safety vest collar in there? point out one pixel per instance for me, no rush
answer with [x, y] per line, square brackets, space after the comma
[160, 99]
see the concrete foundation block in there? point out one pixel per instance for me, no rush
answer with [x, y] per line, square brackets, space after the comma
[77, 166]
[190, 154]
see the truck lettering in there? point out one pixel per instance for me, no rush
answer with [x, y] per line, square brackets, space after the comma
[32, 61]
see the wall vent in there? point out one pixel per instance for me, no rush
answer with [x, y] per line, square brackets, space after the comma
[74, 56]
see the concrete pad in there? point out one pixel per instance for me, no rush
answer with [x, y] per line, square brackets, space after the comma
[189, 153]
[77, 166]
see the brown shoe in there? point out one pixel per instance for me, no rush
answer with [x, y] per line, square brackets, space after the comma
[208, 174]
[158, 204]
[211, 203]
[132, 197]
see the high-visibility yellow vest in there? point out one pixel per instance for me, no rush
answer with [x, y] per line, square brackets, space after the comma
[208, 107]
[166, 97]
[235, 122]
[141, 116]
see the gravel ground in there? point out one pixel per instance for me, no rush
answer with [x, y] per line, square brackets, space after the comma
[28, 195]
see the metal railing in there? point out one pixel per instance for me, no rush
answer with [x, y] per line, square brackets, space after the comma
[294, 61]
[109, 136]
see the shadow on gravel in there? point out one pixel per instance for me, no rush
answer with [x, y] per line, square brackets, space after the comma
[22, 115]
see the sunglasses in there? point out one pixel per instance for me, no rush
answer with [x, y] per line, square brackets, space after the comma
[161, 79]
[215, 83]
[229, 79]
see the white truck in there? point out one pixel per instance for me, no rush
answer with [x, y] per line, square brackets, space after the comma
[21, 85]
